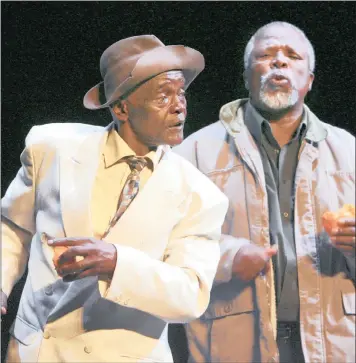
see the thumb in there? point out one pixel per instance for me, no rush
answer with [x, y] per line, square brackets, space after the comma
[271, 251]
[3, 303]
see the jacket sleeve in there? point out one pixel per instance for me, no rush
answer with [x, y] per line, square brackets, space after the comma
[176, 289]
[229, 245]
[17, 221]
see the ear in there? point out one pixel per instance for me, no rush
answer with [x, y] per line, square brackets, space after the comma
[120, 110]
[311, 80]
[246, 79]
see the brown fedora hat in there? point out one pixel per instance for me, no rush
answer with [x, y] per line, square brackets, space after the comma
[129, 62]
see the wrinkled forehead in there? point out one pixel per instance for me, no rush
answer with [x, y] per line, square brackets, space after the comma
[157, 84]
[279, 36]
[173, 75]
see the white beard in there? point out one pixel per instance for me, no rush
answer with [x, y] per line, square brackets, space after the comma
[279, 100]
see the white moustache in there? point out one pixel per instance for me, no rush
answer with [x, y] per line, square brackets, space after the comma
[181, 117]
[271, 74]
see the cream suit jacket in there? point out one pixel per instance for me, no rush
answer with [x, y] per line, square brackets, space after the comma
[167, 246]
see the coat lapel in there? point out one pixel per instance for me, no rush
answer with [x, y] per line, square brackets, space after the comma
[77, 175]
[162, 191]
[304, 206]
[250, 154]
[234, 124]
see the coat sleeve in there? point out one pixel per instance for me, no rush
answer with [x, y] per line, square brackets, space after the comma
[17, 221]
[176, 289]
[229, 245]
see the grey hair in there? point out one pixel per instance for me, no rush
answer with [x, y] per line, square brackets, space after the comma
[251, 42]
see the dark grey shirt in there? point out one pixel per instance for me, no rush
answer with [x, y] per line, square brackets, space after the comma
[279, 166]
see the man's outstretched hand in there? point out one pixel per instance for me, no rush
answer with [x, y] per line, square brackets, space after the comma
[251, 260]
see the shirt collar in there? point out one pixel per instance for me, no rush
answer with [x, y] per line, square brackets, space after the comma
[258, 125]
[116, 148]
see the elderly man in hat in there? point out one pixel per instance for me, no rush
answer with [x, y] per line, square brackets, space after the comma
[111, 222]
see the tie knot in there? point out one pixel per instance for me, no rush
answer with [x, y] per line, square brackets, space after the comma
[136, 162]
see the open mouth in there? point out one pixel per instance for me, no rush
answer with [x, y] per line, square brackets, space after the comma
[178, 124]
[279, 77]
[279, 80]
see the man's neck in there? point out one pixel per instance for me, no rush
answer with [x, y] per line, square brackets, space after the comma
[283, 124]
[132, 140]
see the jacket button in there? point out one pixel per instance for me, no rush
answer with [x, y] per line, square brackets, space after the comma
[87, 349]
[46, 335]
[228, 308]
[48, 290]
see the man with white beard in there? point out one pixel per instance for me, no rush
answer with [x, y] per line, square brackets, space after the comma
[284, 290]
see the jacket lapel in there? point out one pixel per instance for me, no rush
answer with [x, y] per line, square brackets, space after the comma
[77, 175]
[245, 144]
[304, 206]
[161, 192]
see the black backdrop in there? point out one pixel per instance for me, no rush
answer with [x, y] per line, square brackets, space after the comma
[51, 51]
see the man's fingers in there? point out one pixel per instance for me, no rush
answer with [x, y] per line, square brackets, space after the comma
[271, 251]
[344, 231]
[350, 251]
[80, 275]
[71, 253]
[344, 240]
[67, 241]
[77, 267]
[347, 222]
[3, 303]
[345, 246]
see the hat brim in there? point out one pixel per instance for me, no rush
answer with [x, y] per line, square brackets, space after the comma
[159, 60]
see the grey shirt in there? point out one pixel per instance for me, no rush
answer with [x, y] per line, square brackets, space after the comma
[279, 166]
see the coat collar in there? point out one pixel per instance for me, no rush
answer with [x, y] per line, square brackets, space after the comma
[115, 148]
[232, 117]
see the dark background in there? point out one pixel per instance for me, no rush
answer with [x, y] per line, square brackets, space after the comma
[51, 51]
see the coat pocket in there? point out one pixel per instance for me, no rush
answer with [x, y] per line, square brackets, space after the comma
[230, 299]
[348, 302]
[23, 331]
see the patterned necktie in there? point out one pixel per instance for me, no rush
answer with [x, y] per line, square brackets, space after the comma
[130, 189]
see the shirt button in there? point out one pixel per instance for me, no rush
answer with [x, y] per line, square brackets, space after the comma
[46, 335]
[228, 308]
[286, 214]
[87, 349]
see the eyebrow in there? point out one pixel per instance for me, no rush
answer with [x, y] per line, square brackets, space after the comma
[289, 48]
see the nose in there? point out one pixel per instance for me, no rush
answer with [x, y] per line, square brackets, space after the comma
[279, 61]
[179, 104]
